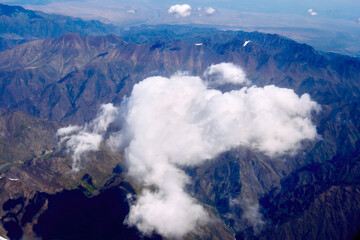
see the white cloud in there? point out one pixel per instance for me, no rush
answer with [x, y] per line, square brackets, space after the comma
[223, 73]
[79, 140]
[312, 12]
[180, 10]
[210, 10]
[178, 121]
[172, 213]
[169, 123]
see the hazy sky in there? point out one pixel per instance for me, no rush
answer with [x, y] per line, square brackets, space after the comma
[344, 9]
[326, 24]
[334, 14]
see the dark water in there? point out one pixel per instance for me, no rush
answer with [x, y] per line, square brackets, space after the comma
[72, 215]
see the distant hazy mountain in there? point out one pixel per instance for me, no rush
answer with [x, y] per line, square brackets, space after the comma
[18, 25]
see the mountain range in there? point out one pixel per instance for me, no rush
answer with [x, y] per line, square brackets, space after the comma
[59, 70]
[19, 25]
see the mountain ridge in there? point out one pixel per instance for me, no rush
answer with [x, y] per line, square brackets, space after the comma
[18, 25]
[65, 80]
[89, 62]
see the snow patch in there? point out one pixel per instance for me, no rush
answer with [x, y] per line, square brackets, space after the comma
[246, 43]
[132, 11]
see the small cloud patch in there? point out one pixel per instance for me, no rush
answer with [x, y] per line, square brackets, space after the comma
[210, 10]
[312, 12]
[224, 73]
[180, 10]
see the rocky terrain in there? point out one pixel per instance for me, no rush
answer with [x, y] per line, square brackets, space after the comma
[49, 83]
[24, 137]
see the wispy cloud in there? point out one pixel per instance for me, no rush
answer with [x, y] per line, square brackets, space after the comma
[251, 213]
[180, 10]
[79, 140]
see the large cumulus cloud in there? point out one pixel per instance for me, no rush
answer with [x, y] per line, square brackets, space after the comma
[170, 123]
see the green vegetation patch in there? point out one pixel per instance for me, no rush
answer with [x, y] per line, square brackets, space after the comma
[10, 165]
[46, 156]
